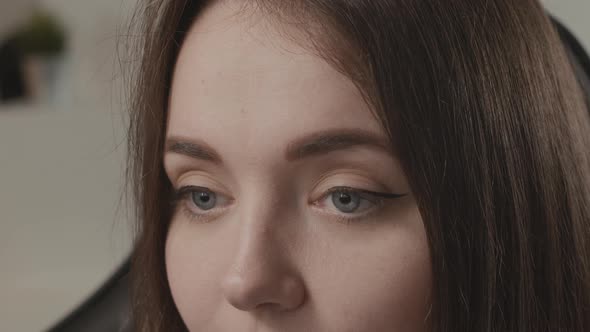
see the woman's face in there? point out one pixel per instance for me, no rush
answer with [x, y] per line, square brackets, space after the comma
[276, 158]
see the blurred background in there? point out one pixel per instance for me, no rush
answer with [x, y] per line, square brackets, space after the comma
[63, 228]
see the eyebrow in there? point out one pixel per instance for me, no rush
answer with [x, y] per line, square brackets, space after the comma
[333, 140]
[195, 149]
[315, 144]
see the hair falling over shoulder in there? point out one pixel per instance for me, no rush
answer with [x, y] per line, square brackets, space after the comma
[492, 130]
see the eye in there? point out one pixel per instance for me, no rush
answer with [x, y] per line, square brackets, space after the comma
[200, 203]
[346, 201]
[204, 199]
[351, 203]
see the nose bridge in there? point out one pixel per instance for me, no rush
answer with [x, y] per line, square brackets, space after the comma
[262, 272]
[259, 221]
[265, 220]
[258, 245]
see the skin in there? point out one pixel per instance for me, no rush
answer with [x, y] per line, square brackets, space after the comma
[275, 252]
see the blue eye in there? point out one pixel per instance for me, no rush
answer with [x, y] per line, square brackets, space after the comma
[353, 204]
[204, 199]
[203, 204]
[200, 202]
[346, 202]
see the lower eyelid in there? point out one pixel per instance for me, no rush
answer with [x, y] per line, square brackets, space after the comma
[192, 216]
[189, 210]
[349, 218]
[320, 205]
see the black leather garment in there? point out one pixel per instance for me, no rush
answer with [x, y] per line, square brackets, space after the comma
[107, 310]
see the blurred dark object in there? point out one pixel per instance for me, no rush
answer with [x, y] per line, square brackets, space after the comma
[42, 36]
[30, 61]
[42, 41]
[12, 81]
[107, 310]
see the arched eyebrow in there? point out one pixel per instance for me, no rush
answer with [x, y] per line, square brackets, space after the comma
[195, 149]
[315, 144]
[324, 142]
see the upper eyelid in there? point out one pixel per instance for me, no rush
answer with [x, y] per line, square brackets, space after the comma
[352, 190]
[364, 194]
[198, 176]
[374, 196]
[190, 189]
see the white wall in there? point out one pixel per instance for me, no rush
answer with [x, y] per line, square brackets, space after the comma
[575, 15]
[13, 14]
[60, 235]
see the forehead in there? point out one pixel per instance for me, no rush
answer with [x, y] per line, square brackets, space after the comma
[236, 74]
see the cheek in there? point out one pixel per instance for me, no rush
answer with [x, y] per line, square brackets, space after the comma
[194, 268]
[377, 279]
[377, 284]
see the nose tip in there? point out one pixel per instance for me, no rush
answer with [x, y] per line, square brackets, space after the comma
[255, 289]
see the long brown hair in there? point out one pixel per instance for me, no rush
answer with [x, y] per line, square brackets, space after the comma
[488, 121]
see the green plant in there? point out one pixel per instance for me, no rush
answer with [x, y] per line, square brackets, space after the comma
[43, 35]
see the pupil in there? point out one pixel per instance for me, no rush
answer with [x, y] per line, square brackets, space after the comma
[345, 198]
[204, 197]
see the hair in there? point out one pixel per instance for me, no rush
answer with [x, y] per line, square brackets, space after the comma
[488, 121]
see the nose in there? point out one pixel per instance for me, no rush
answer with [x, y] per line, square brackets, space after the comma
[262, 276]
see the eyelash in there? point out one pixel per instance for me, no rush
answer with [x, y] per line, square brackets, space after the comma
[377, 200]
[183, 195]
